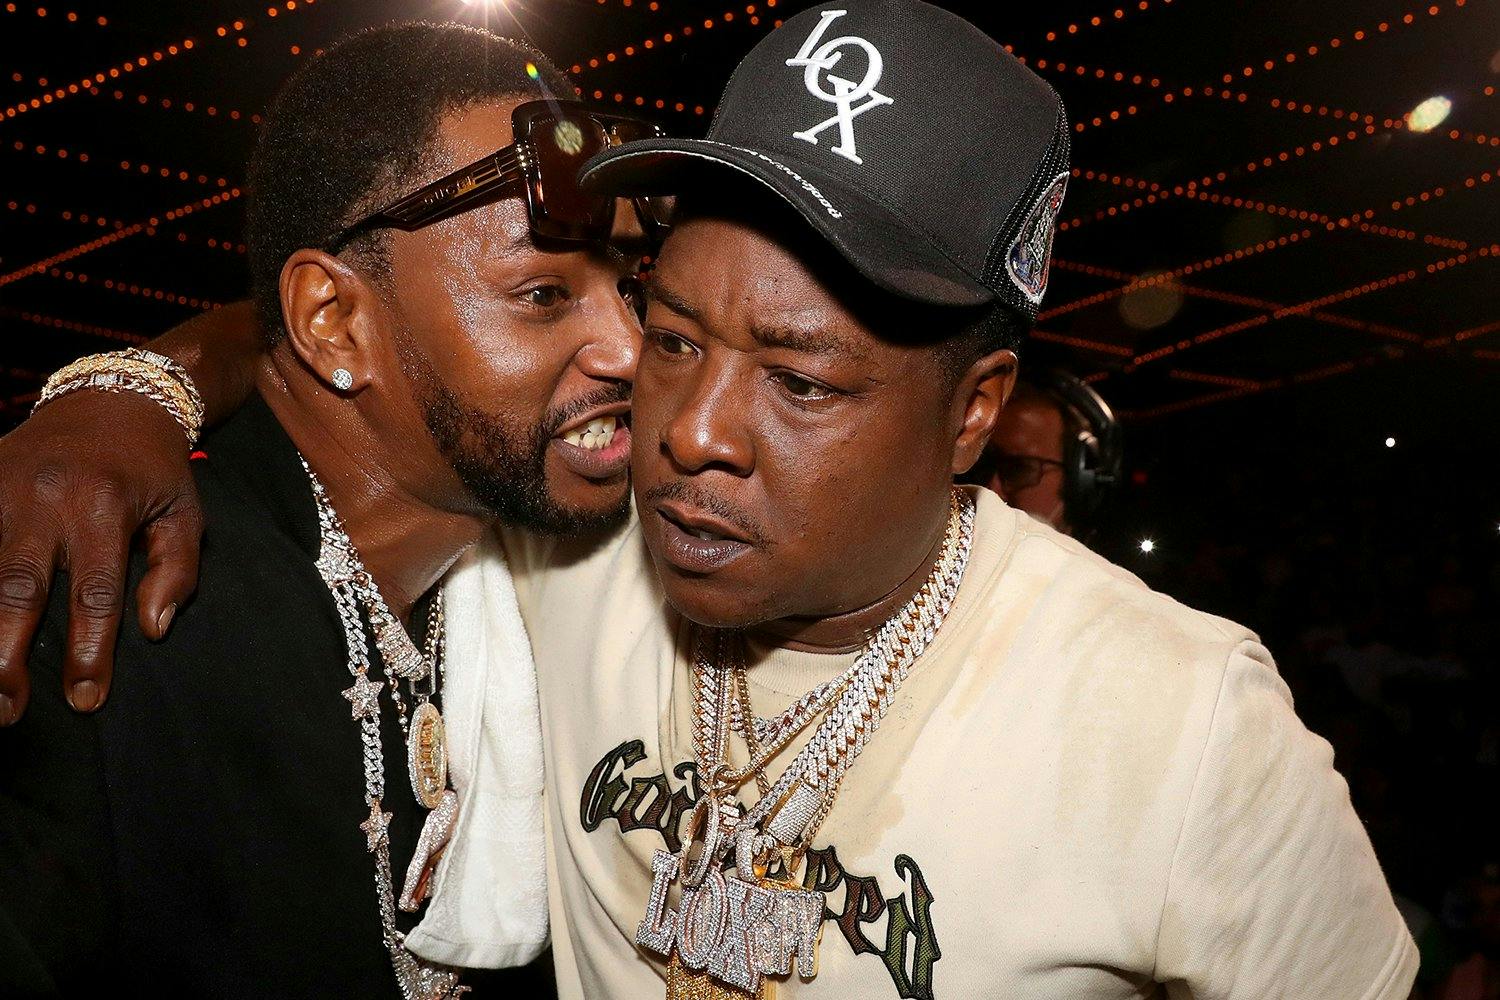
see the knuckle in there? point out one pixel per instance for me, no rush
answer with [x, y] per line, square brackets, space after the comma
[23, 585]
[49, 486]
[105, 501]
[96, 592]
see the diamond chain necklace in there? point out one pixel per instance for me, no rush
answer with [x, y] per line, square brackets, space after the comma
[733, 929]
[352, 588]
[815, 774]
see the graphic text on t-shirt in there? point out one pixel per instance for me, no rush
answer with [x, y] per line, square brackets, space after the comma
[650, 802]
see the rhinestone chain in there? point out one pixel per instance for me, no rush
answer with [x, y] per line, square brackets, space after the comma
[340, 567]
[859, 699]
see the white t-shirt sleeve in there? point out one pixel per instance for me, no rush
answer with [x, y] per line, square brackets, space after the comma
[1274, 889]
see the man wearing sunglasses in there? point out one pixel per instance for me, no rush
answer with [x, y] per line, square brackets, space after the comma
[262, 809]
[1080, 789]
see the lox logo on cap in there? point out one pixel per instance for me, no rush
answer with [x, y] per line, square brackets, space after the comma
[852, 99]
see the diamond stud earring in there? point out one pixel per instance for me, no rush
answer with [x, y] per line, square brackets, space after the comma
[342, 380]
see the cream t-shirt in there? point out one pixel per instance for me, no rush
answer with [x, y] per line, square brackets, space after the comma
[1083, 790]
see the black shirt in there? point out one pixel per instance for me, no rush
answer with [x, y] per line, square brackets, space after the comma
[200, 835]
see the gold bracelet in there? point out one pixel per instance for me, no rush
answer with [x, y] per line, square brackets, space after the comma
[146, 373]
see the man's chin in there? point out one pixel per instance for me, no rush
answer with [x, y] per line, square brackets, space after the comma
[601, 507]
[713, 602]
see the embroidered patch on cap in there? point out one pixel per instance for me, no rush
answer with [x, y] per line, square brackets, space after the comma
[1030, 256]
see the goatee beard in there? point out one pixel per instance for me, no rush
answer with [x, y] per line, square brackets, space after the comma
[503, 464]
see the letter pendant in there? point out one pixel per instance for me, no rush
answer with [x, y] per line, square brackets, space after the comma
[729, 934]
[427, 755]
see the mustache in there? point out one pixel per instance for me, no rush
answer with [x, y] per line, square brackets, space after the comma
[555, 419]
[688, 492]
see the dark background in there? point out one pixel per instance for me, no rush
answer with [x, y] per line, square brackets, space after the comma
[1263, 266]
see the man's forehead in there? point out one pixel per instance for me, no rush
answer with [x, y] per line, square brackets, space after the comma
[472, 131]
[729, 262]
[766, 321]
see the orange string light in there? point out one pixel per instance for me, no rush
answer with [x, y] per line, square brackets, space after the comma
[1099, 20]
[72, 17]
[73, 326]
[166, 103]
[1082, 342]
[103, 222]
[67, 215]
[1209, 378]
[1216, 295]
[1136, 283]
[223, 197]
[66, 255]
[668, 37]
[639, 101]
[1459, 336]
[132, 288]
[1359, 35]
[87, 83]
[1266, 65]
[1299, 378]
[1329, 223]
[1304, 308]
[1153, 193]
[63, 153]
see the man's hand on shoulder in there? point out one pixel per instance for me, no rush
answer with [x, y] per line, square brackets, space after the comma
[77, 482]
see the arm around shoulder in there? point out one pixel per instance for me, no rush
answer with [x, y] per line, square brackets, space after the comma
[80, 478]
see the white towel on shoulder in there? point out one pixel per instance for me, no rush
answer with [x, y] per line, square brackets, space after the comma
[489, 904]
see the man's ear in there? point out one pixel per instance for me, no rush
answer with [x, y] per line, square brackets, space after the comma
[330, 314]
[978, 399]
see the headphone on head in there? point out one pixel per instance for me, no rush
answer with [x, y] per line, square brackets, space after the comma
[1093, 451]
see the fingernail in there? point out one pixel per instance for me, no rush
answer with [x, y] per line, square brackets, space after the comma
[7, 711]
[164, 620]
[85, 696]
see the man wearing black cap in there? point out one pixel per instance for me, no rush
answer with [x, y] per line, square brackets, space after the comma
[997, 765]
[821, 721]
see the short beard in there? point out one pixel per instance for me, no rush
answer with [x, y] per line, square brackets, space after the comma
[503, 463]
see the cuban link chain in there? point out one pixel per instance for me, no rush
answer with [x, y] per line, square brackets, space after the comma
[352, 588]
[733, 929]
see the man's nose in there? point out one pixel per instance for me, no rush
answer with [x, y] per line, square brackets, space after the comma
[614, 342]
[708, 429]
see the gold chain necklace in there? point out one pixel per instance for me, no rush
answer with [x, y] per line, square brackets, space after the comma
[734, 930]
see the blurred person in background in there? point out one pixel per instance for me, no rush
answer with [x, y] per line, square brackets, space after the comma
[1055, 452]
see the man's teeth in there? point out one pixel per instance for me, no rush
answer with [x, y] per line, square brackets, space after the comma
[593, 436]
[707, 536]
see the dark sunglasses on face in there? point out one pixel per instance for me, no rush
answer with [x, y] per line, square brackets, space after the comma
[552, 141]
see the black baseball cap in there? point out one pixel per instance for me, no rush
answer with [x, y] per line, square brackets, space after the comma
[928, 156]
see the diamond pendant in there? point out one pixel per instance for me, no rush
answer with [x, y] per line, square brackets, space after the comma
[728, 935]
[427, 755]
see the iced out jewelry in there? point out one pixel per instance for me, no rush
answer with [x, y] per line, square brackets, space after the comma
[735, 928]
[339, 566]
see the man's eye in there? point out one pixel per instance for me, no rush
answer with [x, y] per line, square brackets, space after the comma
[670, 343]
[545, 296]
[801, 388]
